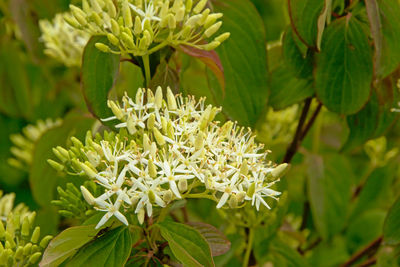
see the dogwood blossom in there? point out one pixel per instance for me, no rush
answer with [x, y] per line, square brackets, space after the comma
[170, 149]
[141, 27]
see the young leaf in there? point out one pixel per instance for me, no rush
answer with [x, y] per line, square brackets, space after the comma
[187, 244]
[304, 15]
[99, 71]
[376, 31]
[66, 244]
[391, 229]
[210, 58]
[218, 242]
[111, 249]
[243, 57]
[323, 18]
[344, 69]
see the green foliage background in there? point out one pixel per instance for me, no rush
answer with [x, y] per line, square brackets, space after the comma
[337, 60]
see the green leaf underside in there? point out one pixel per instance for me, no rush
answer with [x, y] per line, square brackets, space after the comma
[66, 244]
[219, 244]
[111, 249]
[243, 58]
[99, 72]
[344, 69]
[187, 244]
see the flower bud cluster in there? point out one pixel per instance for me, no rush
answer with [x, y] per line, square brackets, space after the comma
[71, 203]
[168, 150]
[62, 41]
[24, 143]
[278, 127]
[20, 243]
[141, 27]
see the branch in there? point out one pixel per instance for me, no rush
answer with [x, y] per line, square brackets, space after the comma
[364, 251]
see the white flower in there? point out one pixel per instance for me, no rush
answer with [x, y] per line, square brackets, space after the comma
[112, 210]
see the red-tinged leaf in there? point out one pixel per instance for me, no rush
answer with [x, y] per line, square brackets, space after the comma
[218, 242]
[376, 31]
[210, 58]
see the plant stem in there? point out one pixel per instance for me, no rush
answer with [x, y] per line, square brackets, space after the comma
[147, 73]
[363, 180]
[364, 251]
[249, 247]
[292, 149]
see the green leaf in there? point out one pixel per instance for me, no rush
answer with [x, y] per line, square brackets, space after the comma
[374, 193]
[17, 89]
[365, 228]
[304, 16]
[286, 89]
[344, 69]
[165, 76]
[329, 182]
[291, 257]
[293, 57]
[370, 122]
[42, 177]
[66, 244]
[112, 249]
[187, 244]
[389, 11]
[391, 229]
[376, 31]
[99, 72]
[218, 242]
[243, 58]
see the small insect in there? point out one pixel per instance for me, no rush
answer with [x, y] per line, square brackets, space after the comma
[102, 232]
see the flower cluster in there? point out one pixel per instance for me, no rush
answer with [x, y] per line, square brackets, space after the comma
[63, 42]
[141, 27]
[19, 245]
[278, 127]
[24, 143]
[169, 150]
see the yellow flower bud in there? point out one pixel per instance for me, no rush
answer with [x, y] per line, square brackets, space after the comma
[126, 13]
[200, 6]
[244, 169]
[95, 6]
[233, 201]
[167, 197]
[199, 141]
[115, 27]
[35, 257]
[45, 241]
[87, 195]
[171, 100]
[158, 97]
[171, 21]
[111, 9]
[159, 137]
[102, 47]
[130, 125]
[140, 216]
[222, 37]
[180, 14]
[211, 46]
[213, 29]
[182, 185]
[25, 227]
[57, 166]
[115, 109]
[152, 169]
[27, 249]
[114, 40]
[138, 26]
[251, 190]
[280, 170]
[151, 121]
[35, 235]
[146, 142]
[240, 196]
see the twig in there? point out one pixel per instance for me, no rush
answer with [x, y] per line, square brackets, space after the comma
[364, 251]
[310, 122]
[292, 149]
[368, 262]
